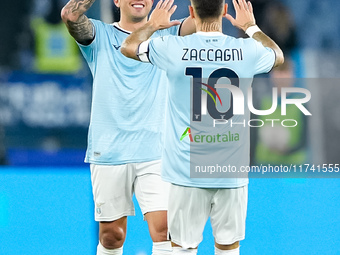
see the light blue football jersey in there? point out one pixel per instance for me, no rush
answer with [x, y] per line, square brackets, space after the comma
[202, 159]
[128, 101]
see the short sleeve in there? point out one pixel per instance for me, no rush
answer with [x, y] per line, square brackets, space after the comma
[158, 52]
[265, 59]
[89, 51]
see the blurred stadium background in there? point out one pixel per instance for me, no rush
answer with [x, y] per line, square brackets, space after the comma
[45, 96]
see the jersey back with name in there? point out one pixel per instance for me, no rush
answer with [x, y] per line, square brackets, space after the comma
[205, 71]
[128, 103]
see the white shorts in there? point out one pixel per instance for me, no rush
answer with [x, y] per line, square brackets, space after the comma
[190, 208]
[113, 188]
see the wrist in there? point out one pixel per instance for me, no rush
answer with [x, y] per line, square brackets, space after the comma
[152, 26]
[251, 30]
[248, 25]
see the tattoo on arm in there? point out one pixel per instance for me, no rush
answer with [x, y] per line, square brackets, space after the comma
[79, 26]
[81, 5]
[82, 30]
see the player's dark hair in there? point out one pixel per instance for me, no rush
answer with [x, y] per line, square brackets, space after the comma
[206, 9]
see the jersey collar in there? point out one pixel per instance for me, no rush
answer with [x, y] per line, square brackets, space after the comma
[214, 33]
[116, 25]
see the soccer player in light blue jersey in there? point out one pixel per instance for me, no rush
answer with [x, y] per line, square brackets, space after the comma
[199, 66]
[126, 126]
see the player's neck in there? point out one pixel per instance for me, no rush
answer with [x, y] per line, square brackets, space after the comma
[205, 26]
[131, 25]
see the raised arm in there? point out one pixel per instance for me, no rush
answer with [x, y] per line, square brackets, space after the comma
[245, 21]
[78, 25]
[159, 19]
[188, 27]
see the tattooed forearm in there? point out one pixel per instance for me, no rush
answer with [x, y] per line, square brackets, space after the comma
[77, 23]
[78, 7]
[81, 30]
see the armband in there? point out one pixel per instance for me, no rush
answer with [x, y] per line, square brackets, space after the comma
[252, 30]
[143, 51]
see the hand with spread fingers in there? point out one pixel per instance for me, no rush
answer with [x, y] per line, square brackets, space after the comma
[160, 17]
[244, 15]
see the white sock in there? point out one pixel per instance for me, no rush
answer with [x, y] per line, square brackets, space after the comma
[162, 248]
[101, 250]
[227, 252]
[180, 251]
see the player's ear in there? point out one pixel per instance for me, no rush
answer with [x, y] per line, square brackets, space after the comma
[191, 10]
[116, 2]
[225, 9]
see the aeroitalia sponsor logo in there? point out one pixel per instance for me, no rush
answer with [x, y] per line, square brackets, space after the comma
[186, 133]
[213, 138]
